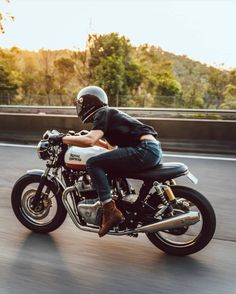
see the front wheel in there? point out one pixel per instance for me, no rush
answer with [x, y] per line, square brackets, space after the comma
[48, 214]
[187, 240]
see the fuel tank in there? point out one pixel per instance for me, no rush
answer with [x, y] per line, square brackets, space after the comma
[76, 157]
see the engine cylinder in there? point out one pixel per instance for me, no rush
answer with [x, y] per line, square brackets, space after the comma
[91, 211]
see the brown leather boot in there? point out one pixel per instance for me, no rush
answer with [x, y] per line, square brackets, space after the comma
[111, 217]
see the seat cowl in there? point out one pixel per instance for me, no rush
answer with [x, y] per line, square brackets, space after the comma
[162, 172]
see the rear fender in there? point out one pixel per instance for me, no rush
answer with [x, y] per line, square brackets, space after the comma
[192, 178]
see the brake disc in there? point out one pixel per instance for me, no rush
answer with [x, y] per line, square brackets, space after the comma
[41, 210]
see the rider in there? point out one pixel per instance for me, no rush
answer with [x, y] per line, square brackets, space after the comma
[137, 149]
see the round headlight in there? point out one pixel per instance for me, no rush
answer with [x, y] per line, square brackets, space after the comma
[43, 150]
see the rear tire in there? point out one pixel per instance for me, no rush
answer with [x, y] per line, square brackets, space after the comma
[38, 220]
[206, 233]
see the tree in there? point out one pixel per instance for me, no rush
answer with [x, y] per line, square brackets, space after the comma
[133, 77]
[102, 46]
[158, 78]
[10, 76]
[217, 81]
[47, 72]
[145, 76]
[109, 75]
[81, 66]
[192, 97]
[193, 77]
[111, 66]
[29, 79]
[8, 87]
[64, 69]
[230, 92]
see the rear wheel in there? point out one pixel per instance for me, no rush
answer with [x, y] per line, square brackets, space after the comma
[187, 240]
[49, 213]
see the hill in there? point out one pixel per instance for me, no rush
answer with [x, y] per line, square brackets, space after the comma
[143, 76]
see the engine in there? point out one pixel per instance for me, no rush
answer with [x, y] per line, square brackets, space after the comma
[91, 211]
[90, 208]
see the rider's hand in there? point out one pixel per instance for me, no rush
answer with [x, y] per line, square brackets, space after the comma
[56, 139]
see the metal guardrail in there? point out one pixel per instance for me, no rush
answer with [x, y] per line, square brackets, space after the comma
[176, 130]
[137, 112]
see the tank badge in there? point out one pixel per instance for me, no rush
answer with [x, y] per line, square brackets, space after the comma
[75, 157]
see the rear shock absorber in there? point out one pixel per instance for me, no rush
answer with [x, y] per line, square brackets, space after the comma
[160, 193]
[170, 194]
[161, 190]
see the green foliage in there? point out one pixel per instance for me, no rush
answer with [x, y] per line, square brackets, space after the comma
[111, 66]
[64, 70]
[102, 46]
[143, 76]
[9, 76]
[8, 86]
[109, 74]
[82, 72]
[229, 97]
[217, 82]
[157, 77]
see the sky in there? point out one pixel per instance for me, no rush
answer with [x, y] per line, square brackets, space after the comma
[204, 30]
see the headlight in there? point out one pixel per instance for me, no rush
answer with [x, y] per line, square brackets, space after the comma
[43, 149]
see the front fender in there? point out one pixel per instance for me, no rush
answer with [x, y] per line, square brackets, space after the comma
[50, 177]
[35, 172]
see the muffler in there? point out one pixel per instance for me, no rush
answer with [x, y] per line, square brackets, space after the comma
[186, 219]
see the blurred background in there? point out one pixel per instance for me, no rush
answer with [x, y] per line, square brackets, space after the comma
[173, 53]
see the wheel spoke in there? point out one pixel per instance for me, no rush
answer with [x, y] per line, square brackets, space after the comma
[193, 238]
[183, 237]
[44, 212]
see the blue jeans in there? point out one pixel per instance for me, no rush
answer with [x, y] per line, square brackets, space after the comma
[145, 155]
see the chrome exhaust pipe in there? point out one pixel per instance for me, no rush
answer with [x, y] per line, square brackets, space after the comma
[186, 219]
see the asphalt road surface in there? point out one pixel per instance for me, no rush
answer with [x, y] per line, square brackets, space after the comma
[71, 261]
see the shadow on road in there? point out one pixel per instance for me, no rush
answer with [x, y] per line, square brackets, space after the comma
[67, 263]
[38, 267]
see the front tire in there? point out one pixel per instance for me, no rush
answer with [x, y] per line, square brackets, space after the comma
[184, 242]
[48, 215]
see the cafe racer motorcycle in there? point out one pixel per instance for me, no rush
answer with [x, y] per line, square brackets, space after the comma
[177, 219]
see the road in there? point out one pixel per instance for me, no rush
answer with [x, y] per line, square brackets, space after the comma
[72, 261]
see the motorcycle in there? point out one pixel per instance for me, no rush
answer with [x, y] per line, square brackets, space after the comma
[176, 219]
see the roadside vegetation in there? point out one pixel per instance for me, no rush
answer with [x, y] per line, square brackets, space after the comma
[143, 76]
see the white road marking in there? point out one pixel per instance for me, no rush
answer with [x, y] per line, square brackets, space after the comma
[17, 145]
[200, 157]
[205, 157]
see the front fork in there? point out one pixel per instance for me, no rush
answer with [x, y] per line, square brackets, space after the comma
[38, 193]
